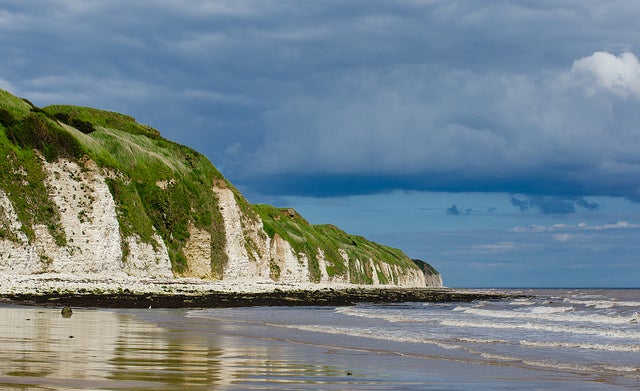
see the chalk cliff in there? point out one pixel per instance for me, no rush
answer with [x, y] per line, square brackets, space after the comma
[85, 191]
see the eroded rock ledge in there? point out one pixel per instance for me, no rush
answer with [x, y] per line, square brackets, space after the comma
[276, 297]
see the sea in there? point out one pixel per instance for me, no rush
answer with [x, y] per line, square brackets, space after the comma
[545, 339]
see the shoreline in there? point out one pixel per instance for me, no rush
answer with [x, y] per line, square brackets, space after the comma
[91, 291]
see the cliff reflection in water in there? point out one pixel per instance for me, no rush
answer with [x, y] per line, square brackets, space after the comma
[97, 349]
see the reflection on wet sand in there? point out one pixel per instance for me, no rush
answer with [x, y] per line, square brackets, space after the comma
[40, 349]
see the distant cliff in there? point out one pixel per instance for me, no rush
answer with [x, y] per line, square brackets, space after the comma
[86, 191]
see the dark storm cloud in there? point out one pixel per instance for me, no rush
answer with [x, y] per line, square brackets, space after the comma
[453, 210]
[553, 205]
[350, 97]
[587, 205]
[546, 205]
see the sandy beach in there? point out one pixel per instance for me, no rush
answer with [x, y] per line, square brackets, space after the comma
[167, 349]
[166, 334]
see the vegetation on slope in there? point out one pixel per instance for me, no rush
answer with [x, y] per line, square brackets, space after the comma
[159, 186]
[22, 179]
[164, 186]
[426, 267]
[309, 239]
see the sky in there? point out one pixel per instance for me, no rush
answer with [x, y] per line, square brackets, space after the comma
[497, 140]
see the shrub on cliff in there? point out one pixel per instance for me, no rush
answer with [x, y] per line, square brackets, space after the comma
[85, 127]
[38, 132]
[6, 118]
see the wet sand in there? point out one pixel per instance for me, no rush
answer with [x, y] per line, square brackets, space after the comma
[166, 350]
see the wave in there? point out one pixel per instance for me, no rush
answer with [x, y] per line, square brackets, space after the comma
[556, 344]
[377, 334]
[417, 337]
[366, 332]
[564, 366]
[581, 345]
[551, 310]
[602, 304]
[525, 302]
[556, 328]
[374, 314]
[554, 314]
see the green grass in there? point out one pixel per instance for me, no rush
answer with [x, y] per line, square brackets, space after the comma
[107, 119]
[16, 106]
[306, 238]
[37, 131]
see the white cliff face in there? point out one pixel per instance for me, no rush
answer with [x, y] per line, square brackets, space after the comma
[258, 245]
[294, 268]
[93, 246]
[433, 280]
[345, 257]
[9, 217]
[241, 263]
[324, 274]
[394, 274]
[143, 260]
[16, 256]
[198, 253]
[409, 277]
[322, 264]
[374, 272]
[88, 217]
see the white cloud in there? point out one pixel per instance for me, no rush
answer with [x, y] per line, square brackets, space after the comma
[605, 71]
[534, 228]
[498, 247]
[574, 227]
[563, 238]
[618, 225]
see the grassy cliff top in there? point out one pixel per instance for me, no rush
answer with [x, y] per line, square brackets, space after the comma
[96, 117]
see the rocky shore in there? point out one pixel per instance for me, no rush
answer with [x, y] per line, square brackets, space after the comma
[75, 292]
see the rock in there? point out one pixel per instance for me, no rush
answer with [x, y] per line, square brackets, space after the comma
[66, 312]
